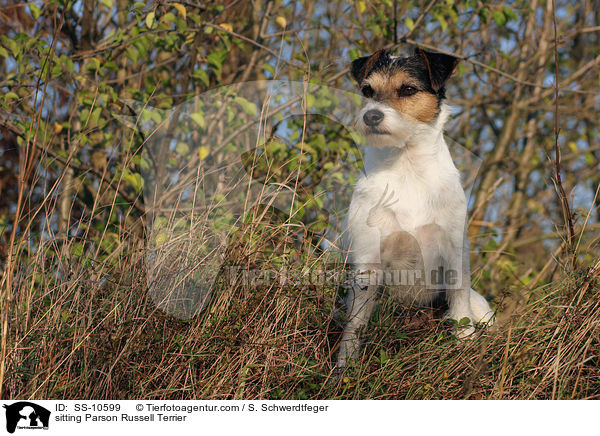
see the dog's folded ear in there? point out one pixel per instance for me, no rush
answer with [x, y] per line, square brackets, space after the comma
[357, 68]
[440, 67]
[361, 67]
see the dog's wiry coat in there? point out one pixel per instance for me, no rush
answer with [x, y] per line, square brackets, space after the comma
[408, 210]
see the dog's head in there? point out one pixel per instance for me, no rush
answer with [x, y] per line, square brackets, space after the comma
[404, 94]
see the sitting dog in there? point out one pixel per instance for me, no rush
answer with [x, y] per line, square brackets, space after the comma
[407, 218]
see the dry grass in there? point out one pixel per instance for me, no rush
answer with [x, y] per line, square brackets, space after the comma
[84, 327]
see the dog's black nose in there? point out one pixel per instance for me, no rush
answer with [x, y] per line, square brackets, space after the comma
[373, 117]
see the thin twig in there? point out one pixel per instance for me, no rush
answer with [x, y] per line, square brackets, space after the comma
[563, 196]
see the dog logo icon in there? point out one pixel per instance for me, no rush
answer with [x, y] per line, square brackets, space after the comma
[26, 415]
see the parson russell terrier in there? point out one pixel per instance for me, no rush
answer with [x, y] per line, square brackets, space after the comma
[407, 218]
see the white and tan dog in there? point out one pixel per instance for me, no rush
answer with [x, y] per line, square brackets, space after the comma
[407, 219]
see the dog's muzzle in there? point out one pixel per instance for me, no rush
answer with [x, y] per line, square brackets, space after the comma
[372, 117]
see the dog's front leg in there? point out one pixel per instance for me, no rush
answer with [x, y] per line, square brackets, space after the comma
[459, 301]
[459, 295]
[441, 248]
[361, 301]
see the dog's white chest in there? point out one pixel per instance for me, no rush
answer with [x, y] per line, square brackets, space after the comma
[417, 196]
[403, 192]
[410, 201]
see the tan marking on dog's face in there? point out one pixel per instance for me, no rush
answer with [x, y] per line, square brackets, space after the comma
[422, 106]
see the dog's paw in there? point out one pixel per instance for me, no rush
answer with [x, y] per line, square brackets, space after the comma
[463, 327]
[347, 353]
[486, 320]
[482, 313]
[465, 331]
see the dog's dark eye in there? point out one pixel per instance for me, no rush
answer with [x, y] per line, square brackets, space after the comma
[405, 91]
[367, 91]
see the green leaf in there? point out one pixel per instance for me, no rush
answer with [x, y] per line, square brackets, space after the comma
[216, 60]
[77, 249]
[484, 14]
[3, 52]
[203, 152]
[95, 115]
[149, 114]
[510, 14]
[275, 146]
[201, 75]
[269, 68]
[92, 64]
[442, 21]
[169, 17]
[67, 64]
[198, 118]
[12, 45]
[56, 70]
[64, 315]
[181, 9]
[144, 164]
[410, 23]
[136, 180]
[354, 54]
[383, 357]
[310, 100]
[35, 11]
[133, 54]
[249, 107]
[182, 148]
[300, 56]
[150, 20]
[589, 158]
[499, 18]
